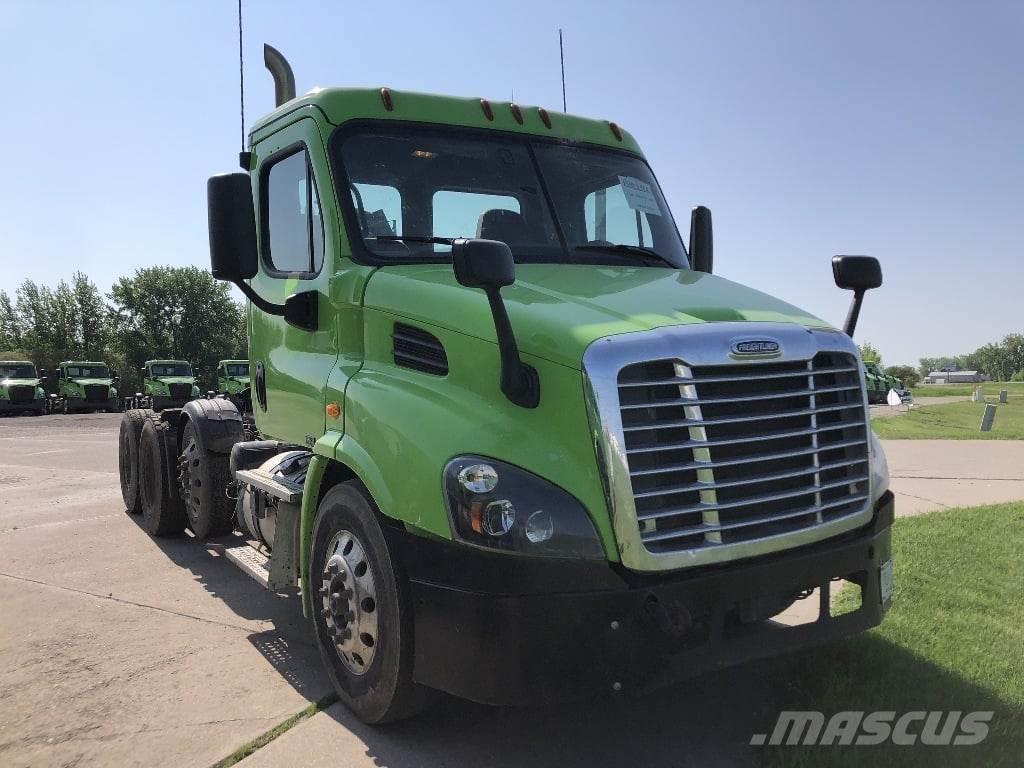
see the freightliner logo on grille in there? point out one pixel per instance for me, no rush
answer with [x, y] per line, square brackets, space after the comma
[755, 347]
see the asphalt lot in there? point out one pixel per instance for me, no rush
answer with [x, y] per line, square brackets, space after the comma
[118, 649]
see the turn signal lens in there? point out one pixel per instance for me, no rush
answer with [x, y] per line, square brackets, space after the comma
[333, 410]
[478, 478]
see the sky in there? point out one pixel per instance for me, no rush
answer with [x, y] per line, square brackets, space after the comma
[809, 129]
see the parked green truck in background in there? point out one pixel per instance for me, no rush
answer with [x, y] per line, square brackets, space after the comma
[21, 388]
[512, 438]
[168, 383]
[232, 376]
[84, 386]
[879, 384]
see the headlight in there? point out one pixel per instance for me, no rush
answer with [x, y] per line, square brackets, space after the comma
[879, 467]
[496, 505]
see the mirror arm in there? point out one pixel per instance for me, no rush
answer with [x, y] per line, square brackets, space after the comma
[262, 304]
[851, 317]
[519, 381]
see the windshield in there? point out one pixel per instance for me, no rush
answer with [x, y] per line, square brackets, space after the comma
[170, 369]
[17, 371]
[88, 372]
[550, 202]
[238, 369]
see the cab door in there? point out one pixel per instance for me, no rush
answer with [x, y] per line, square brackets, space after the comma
[290, 365]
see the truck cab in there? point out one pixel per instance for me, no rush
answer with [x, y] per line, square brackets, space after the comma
[86, 386]
[21, 388]
[517, 441]
[232, 376]
[168, 383]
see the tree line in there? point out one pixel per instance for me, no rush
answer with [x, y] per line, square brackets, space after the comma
[1003, 360]
[159, 312]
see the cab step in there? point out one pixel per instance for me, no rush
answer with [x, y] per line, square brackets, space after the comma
[253, 562]
[278, 487]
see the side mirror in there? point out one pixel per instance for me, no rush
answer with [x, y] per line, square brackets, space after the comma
[232, 222]
[702, 240]
[233, 251]
[41, 371]
[115, 379]
[42, 379]
[142, 370]
[858, 274]
[488, 265]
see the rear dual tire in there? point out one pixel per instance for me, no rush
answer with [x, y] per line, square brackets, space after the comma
[163, 512]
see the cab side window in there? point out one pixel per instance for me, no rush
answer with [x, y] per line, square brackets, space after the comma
[293, 231]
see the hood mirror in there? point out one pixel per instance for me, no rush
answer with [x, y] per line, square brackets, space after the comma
[858, 274]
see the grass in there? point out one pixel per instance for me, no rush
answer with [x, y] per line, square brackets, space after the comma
[966, 390]
[953, 640]
[954, 421]
[265, 738]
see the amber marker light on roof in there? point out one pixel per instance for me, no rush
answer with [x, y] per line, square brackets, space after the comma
[385, 96]
[544, 116]
[485, 105]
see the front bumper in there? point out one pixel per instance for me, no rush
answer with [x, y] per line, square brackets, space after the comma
[501, 629]
[163, 402]
[83, 404]
[6, 406]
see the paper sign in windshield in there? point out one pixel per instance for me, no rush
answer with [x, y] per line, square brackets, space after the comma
[639, 195]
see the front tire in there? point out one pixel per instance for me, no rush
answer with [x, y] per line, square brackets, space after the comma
[362, 614]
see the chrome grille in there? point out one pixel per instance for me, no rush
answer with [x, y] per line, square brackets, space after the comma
[180, 391]
[724, 454]
[96, 393]
[21, 393]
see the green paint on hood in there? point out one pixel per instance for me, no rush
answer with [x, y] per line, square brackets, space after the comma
[558, 310]
[174, 379]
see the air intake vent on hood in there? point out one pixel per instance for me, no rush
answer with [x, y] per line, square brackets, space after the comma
[419, 350]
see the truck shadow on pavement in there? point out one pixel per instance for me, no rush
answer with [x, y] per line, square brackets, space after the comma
[708, 720]
[287, 644]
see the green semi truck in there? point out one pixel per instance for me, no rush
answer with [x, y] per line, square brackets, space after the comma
[512, 439]
[85, 386]
[879, 384]
[232, 376]
[167, 384]
[21, 388]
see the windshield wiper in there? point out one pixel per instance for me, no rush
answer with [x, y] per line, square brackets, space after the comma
[634, 250]
[412, 239]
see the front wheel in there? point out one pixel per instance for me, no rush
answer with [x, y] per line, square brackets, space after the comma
[362, 616]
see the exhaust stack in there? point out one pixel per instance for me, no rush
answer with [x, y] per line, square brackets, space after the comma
[281, 71]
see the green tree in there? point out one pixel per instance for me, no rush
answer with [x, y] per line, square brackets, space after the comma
[869, 353]
[174, 312]
[904, 373]
[10, 327]
[93, 318]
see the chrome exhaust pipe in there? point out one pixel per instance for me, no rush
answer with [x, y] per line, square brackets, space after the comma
[281, 71]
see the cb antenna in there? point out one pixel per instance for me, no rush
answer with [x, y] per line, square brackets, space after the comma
[561, 55]
[243, 156]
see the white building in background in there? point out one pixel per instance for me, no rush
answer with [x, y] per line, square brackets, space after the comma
[956, 377]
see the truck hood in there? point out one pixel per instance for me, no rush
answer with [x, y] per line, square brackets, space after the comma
[558, 310]
[19, 382]
[83, 382]
[175, 379]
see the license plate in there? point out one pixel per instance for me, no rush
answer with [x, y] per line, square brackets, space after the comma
[885, 580]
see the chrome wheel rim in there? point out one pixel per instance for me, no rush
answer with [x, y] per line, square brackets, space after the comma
[348, 597]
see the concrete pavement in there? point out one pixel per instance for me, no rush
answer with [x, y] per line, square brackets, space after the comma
[935, 474]
[116, 649]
